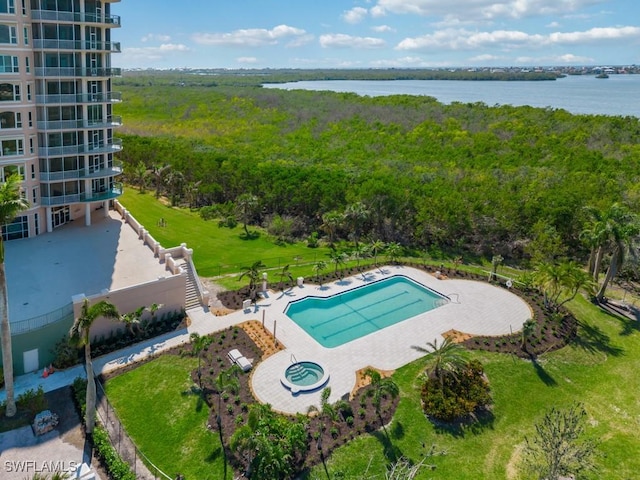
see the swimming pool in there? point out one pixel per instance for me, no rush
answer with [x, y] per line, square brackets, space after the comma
[344, 317]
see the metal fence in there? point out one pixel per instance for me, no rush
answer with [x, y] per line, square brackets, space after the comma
[41, 321]
[141, 465]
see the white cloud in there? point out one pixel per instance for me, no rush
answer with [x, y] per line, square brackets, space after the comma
[355, 15]
[154, 37]
[340, 40]
[382, 28]
[553, 25]
[153, 53]
[483, 9]
[378, 11]
[404, 62]
[251, 37]
[246, 59]
[485, 57]
[567, 59]
[460, 39]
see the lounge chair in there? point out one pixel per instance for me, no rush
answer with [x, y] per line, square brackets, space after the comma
[236, 357]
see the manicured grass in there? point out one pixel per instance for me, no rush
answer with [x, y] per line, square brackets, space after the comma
[217, 250]
[600, 371]
[166, 419]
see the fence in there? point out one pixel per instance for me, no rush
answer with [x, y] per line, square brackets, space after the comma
[143, 468]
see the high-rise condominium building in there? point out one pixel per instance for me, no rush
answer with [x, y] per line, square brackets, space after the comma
[56, 121]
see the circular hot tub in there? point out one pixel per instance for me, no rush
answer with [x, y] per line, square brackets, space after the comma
[304, 377]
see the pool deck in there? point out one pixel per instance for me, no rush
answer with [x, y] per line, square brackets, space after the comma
[475, 308]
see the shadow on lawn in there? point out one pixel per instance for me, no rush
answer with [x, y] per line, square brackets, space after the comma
[543, 375]
[591, 339]
[474, 425]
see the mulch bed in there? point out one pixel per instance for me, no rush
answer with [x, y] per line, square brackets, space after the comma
[235, 407]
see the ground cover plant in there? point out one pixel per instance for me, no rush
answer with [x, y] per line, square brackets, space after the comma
[184, 439]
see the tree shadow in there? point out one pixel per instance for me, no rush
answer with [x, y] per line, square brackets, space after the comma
[397, 430]
[253, 235]
[391, 452]
[591, 339]
[543, 375]
[628, 315]
[215, 454]
[195, 390]
[473, 424]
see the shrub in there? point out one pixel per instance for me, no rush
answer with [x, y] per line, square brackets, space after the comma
[117, 468]
[33, 401]
[457, 396]
[65, 353]
[79, 387]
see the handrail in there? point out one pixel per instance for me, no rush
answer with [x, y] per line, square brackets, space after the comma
[293, 358]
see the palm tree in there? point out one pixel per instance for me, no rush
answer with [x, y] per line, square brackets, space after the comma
[360, 252]
[624, 231]
[381, 386]
[331, 221]
[495, 263]
[285, 274]
[376, 247]
[337, 258]
[444, 359]
[199, 345]
[528, 327]
[356, 215]
[139, 175]
[561, 279]
[246, 204]
[226, 381]
[253, 272]
[80, 334]
[132, 320]
[394, 251]
[319, 267]
[11, 203]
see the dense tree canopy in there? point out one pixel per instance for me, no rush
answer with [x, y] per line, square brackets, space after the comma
[464, 177]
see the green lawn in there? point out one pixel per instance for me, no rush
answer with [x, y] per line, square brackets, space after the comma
[600, 371]
[166, 420]
[217, 250]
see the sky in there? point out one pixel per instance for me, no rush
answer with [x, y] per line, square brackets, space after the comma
[375, 33]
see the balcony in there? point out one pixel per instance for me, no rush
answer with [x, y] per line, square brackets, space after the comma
[112, 171]
[110, 122]
[53, 44]
[108, 194]
[75, 17]
[111, 97]
[77, 72]
[101, 147]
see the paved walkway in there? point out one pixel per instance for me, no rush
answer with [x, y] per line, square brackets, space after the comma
[476, 307]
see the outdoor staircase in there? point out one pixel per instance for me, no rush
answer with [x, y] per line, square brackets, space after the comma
[192, 295]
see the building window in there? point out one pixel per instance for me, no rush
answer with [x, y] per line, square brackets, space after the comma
[7, 170]
[24, 7]
[8, 34]
[31, 145]
[8, 63]
[28, 92]
[9, 92]
[19, 228]
[28, 64]
[35, 196]
[30, 119]
[33, 171]
[7, 6]
[25, 33]
[12, 147]
[10, 120]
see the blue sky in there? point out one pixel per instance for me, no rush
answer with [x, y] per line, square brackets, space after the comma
[375, 33]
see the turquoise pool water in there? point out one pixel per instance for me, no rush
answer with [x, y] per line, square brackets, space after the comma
[344, 317]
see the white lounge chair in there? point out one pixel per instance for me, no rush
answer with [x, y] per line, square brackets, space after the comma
[236, 357]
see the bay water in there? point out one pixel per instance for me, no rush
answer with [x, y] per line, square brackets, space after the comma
[618, 95]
